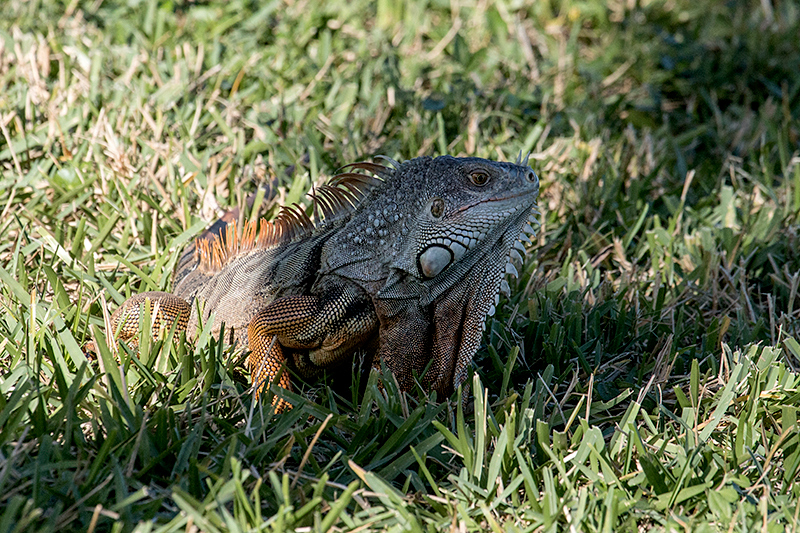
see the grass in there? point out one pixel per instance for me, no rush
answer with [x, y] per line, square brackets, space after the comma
[642, 374]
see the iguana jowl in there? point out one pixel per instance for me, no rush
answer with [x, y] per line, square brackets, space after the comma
[403, 266]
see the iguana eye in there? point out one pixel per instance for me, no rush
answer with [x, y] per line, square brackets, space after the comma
[479, 178]
[437, 207]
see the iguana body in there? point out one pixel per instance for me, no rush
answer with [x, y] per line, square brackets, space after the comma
[403, 267]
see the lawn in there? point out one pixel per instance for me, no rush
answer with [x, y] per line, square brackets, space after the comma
[643, 372]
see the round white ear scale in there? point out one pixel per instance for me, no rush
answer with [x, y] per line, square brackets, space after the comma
[435, 259]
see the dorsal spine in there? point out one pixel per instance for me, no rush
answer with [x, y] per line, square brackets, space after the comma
[330, 201]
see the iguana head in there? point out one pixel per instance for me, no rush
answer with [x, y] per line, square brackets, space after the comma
[428, 215]
[435, 240]
[463, 208]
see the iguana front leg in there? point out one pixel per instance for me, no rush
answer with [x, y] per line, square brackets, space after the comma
[329, 327]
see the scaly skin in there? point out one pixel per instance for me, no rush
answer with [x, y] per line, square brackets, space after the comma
[407, 275]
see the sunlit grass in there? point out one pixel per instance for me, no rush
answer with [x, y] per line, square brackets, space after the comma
[643, 372]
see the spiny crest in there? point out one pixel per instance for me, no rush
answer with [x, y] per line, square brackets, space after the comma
[329, 201]
[212, 254]
[345, 190]
[521, 161]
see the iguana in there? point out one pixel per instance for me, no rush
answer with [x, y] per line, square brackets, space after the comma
[403, 265]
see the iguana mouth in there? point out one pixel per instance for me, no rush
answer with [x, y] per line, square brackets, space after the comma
[499, 199]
